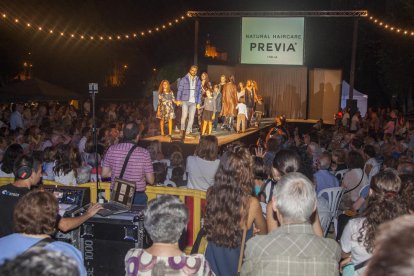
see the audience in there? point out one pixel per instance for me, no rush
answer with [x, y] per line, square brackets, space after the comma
[202, 167]
[231, 210]
[384, 204]
[360, 155]
[293, 248]
[165, 220]
[34, 220]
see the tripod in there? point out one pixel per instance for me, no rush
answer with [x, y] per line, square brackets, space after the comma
[93, 90]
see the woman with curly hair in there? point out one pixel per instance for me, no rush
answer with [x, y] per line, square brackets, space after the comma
[231, 209]
[384, 204]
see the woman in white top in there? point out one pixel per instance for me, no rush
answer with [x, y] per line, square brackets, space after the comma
[384, 204]
[202, 167]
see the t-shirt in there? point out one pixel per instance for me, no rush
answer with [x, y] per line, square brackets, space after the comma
[345, 119]
[201, 172]
[354, 123]
[139, 164]
[9, 196]
[350, 244]
[16, 244]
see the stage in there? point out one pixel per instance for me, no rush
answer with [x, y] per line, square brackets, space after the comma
[223, 136]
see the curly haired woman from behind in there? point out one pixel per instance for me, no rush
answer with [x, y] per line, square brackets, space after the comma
[384, 204]
[231, 208]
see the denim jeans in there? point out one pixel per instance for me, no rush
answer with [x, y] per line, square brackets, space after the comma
[188, 110]
[140, 198]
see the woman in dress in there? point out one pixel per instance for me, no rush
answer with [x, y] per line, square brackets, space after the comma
[165, 219]
[165, 111]
[231, 209]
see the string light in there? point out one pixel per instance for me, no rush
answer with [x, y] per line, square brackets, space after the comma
[90, 36]
[394, 29]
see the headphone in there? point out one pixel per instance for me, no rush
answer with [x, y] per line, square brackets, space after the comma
[23, 172]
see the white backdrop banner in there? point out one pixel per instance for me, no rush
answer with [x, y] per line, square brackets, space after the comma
[272, 40]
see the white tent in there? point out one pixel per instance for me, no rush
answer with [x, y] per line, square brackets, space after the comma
[362, 99]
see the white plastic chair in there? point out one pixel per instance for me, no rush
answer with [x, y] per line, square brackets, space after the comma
[341, 173]
[334, 198]
[325, 219]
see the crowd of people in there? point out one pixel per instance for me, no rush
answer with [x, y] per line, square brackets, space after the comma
[262, 201]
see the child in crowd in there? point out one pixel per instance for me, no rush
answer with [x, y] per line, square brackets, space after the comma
[177, 177]
[165, 111]
[241, 115]
[209, 112]
[160, 173]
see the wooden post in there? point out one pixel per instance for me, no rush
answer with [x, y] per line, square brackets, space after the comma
[353, 60]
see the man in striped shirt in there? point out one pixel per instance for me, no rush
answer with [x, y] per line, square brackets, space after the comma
[139, 168]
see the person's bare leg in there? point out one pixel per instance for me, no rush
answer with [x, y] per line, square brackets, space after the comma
[170, 126]
[162, 127]
[210, 127]
[203, 132]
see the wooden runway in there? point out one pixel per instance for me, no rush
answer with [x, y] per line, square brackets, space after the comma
[223, 136]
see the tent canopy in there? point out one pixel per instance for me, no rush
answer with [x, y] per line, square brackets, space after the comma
[36, 90]
[362, 99]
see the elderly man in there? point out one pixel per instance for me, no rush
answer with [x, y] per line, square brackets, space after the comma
[323, 178]
[293, 248]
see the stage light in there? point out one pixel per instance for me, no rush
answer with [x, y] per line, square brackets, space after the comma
[392, 28]
[398, 30]
[157, 29]
[405, 32]
[370, 17]
[28, 25]
[125, 66]
[176, 21]
[182, 17]
[91, 37]
[126, 36]
[142, 33]
[149, 31]
[110, 38]
[72, 35]
[163, 26]
[154, 69]
[412, 33]
[134, 35]
[61, 34]
[51, 31]
[386, 26]
[16, 20]
[118, 37]
[375, 20]
[40, 28]
[380, 23]
[169, 23]
[82, 37]
[4, 15]
[101, 38]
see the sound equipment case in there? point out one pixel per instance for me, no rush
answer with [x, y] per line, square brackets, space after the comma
[104, 241]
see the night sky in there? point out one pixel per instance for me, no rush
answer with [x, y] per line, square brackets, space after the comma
[72, 64]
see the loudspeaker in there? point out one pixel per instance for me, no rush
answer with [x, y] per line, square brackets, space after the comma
[105, 241]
